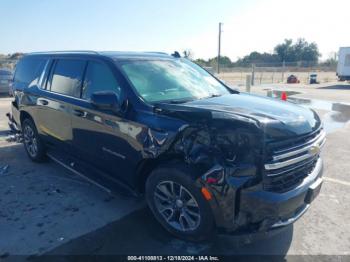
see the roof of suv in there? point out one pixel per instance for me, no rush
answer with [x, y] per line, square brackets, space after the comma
[111, 54]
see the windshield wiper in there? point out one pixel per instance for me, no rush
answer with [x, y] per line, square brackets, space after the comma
[211, 96]
[182, 101]
[177, 101]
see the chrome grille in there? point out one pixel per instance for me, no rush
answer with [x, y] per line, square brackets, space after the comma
[287, 166]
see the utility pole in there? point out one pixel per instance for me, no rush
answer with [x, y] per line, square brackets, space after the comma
[283, 69]
[219, 48]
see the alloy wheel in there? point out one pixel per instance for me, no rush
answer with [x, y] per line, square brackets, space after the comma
[177, 206]
[30, 141]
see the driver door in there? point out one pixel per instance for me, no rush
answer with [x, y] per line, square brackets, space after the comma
[99, 137]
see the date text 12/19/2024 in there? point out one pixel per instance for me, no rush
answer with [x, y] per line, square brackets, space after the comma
[173, 258]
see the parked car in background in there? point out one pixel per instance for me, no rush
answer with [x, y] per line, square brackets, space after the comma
[313, 79]
[6, 77]
[205, 156]
[292, 79]
[343, 67]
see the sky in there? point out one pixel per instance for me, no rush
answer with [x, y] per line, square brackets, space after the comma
[163, 25]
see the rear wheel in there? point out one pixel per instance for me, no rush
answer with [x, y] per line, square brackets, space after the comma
[32, 142]
[178, 204]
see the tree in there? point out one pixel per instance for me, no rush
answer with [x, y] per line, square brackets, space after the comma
[201, 62]
[224, 61]
[300, 51]
[16, 55]
[331, 61]
[285, 50]
[256, 57]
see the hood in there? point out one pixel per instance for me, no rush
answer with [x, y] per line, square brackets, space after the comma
[279, 119]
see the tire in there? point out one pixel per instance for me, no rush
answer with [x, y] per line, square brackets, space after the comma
[32, 142]
[190, 216]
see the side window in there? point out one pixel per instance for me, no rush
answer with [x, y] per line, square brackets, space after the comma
[99, 78]
[347, 60]
[29, 70]
[67, 77]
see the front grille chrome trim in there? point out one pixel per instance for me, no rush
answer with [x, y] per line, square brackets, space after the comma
[291, 169]
[288, 162]
[319, 141]
[309, 153]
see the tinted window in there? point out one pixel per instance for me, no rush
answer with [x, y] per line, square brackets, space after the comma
[67, 77]
[99, 78]
[29, 69]
[347, 60]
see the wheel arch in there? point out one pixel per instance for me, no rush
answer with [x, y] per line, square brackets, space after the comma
[25, 115]
[146, 167]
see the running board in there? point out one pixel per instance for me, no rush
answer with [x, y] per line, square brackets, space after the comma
[78, 173]
[92, 175]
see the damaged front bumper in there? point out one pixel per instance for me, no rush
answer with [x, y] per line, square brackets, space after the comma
[14, 117]
[240, 209]
[15, 131]
[12, 123]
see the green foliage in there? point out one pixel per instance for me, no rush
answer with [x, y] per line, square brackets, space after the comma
[256, 57]
[287, 51]
[300, 51]
[331, 62]
[212, 62]
[224, 61]
[201, 62]
[16, 55]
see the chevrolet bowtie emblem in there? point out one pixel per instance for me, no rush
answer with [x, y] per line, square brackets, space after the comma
[314, 150]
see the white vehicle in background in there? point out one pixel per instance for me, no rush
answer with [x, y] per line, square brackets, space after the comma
[343, 68]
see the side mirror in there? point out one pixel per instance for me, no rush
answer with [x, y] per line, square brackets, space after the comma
[105, 101]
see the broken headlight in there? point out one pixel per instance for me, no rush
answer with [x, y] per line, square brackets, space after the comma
[238, 149]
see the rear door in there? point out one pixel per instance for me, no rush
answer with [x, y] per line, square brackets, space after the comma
[63, 89]
[27, 79]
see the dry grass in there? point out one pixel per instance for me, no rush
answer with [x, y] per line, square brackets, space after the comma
[239, 78]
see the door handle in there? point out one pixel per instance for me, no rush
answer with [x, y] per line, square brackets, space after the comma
[78, 112]
[43, 102]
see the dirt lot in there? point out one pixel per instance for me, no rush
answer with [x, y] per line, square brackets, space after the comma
[45, 210]
[262, 76]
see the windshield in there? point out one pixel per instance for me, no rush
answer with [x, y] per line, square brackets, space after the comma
[176, 80]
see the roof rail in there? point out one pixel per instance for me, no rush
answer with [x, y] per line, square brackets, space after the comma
[67, 51]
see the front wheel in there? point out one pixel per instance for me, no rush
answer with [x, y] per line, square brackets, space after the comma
[178, 204]
[32, 142]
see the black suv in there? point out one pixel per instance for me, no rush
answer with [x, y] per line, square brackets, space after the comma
[205, 156]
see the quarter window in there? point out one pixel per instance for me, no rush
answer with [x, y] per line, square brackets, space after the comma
[99, 78]
[28, 70]
[347, 60]
[67, 77]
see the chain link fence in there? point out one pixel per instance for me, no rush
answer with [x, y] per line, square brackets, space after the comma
[269, 73]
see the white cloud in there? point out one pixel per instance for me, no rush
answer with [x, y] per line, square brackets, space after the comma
[269, 22]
